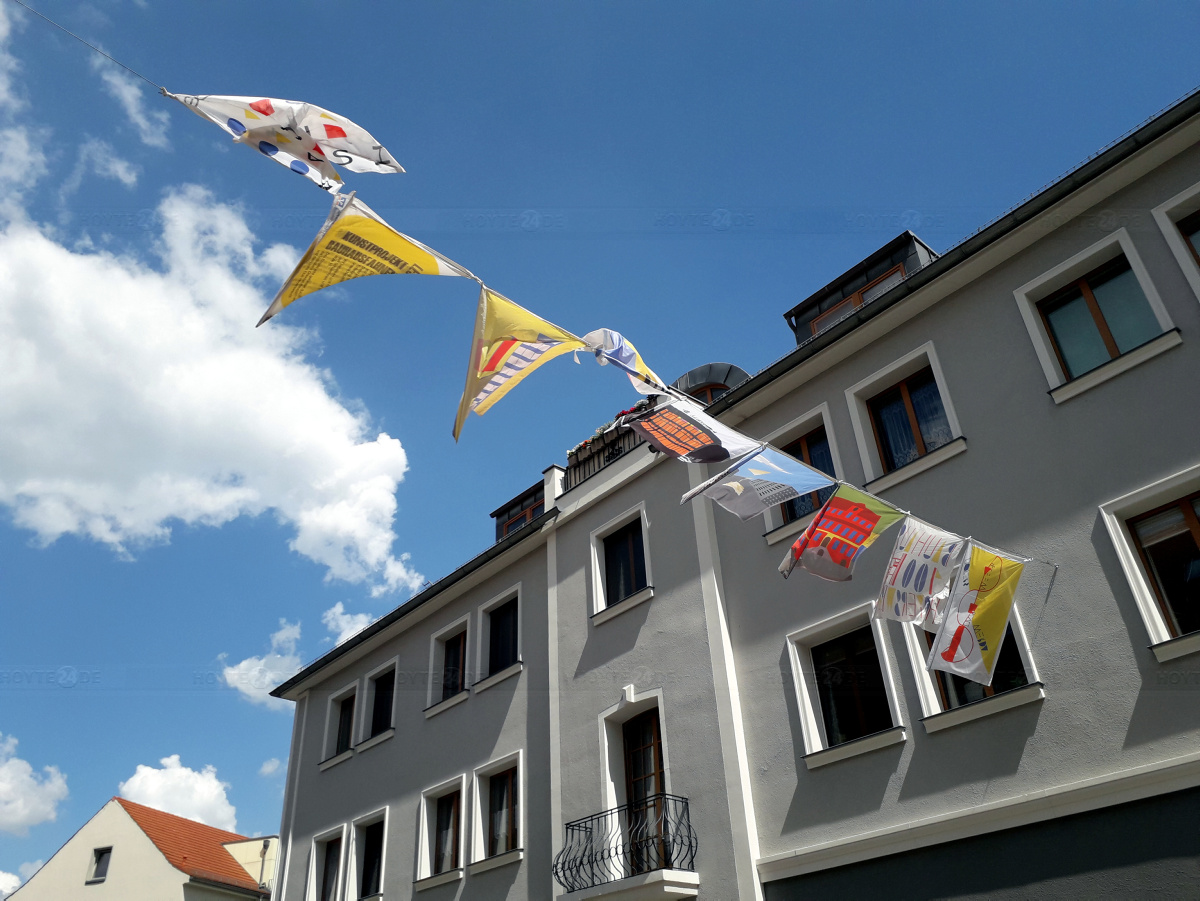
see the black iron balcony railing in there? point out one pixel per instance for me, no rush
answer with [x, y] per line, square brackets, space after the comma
[588, 461]
[652, 834]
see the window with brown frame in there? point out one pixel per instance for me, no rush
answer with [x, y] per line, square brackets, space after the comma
[502, 819]
[1168, 540]
[624, 563]
[814, 450]
[520, 514]
[854, 701]
[955, 691]
[706, 394]
[1098, 318]
[1190, 227]
[909, 420]
[868, 292]
[445, 844]
[454, 660]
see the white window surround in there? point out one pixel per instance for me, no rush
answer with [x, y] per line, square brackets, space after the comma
[427, 826]
[612, 742]
[1115, 513]
[792, 431]
[316, 862]
[1029, 294]
[437, 660]
[1166, 215]
[479, 810]
[812, 723]
[368, 707]
[353, 864]
[879, 381]
[332, 711]
[482, 646]
[931, 699]
[600, 613]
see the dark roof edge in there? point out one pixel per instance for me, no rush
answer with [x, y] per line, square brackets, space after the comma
[417, 600]
[1085, 173]
[530, 490]
[229, 886]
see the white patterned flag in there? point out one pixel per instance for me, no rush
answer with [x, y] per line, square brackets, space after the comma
[303, 137]
[919, 573]
[977, 612]
[760, 481]
[612, 347]
[354, 242]
[509, 343]
[681, 429]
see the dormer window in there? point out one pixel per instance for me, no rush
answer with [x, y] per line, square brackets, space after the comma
[706, 394]
[520, 511]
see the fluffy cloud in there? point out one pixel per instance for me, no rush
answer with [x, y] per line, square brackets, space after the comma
[26, 797]
[26, 870]
[269, 767]
[98, 157]
[254, 677]
[133, 395]
[342, 624]
[22, 161]
[9, 883]
[151, 125]
[177, 789]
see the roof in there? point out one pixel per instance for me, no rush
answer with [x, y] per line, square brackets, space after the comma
[193, 848]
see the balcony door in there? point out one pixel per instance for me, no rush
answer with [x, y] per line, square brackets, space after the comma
[644, 789]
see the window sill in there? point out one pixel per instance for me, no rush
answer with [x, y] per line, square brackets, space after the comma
[490, 863]
[451, 701]
[494, 678]
[1006, 700]
[1113, 368]
[787, 530]
[95, 881]
[917, 466]
[893, 736]
[375, 739]
[440, 879]
[1176, 647]
[335, 759]
[622, 605]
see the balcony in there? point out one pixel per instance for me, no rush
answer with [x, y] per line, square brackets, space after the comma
[641, 850]
[608, 447]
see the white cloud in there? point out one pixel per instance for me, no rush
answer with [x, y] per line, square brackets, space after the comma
[254, 677]
[269, 767]
[177, 789]
[101, 158]
[26, 870]
[22, 160]
[9, 883]
[342, 624]
[127, 90]
[132, 396]
[27, 798]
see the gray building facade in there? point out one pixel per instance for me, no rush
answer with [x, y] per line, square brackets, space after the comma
[660, 715]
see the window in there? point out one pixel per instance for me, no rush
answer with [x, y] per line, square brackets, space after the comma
[873, 289]
[706, 394]
[1189, 227]
[445, 835]
[1168, 542]
[502, 637]
[496, 818]
[854, 702]
[955, 691]
[624, 563]
[454, 658]
[520, 512]
[100, 860]
[909, 420]
[345, 725]
[1179, 220]
[370, 874]
[844, 689]
[382, 693]
[502, 814]
[813, 449]
[331, 859]
[1097, 318]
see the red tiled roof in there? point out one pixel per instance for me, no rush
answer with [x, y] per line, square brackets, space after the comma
[191, 847]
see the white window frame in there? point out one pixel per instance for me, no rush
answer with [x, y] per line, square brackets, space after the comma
[601, 613]
[368, 741]
[1167, 215]
[1115, 514]
[612, 742]
[818, 417]
[427, 825]
[483, 644]
[353, 864]
[332, 710]
[316, 858]
[479, 862]
[935, 717]
[1032, 292]
[818, 751]
[859, 394]
[437, 660]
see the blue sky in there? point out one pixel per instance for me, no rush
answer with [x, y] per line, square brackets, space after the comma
[185, 500]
